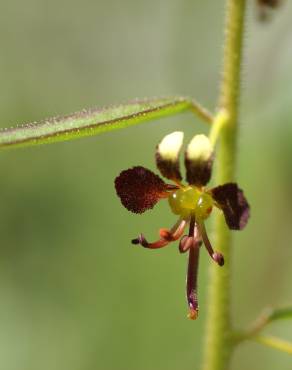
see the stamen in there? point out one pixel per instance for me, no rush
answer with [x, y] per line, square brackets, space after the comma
[185, 243]
[142, 240]
[171, 187]
[192, 226]
[188, 240]
[216, 256]
[191, 288]
[175, 232]
[192, 242]
[169, 190]
[167, 236]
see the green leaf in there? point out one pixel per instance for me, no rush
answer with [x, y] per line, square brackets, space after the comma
[95, 121]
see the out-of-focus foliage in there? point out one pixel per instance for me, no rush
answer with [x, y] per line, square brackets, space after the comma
[74, 293]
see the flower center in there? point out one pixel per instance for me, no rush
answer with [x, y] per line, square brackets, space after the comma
[189, 200]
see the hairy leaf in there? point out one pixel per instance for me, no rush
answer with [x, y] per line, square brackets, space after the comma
[95, 121]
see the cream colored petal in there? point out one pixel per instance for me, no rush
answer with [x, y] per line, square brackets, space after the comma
[199, 148]
[170, 146]
[167, 155]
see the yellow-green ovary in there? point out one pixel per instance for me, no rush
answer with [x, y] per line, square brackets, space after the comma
[189, 200]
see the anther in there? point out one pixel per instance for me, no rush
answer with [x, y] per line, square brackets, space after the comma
[191, 286]
[193, 314]
[218, 257]
[142, 240]
[165, 234]
[174, 233]
[185, 243]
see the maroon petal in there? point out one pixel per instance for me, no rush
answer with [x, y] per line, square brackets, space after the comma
[233, 203]
[139, 189]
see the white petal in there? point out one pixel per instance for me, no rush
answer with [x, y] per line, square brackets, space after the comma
[199, 149]
[170, 146]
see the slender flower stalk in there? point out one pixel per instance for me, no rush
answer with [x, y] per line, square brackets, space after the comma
[218, 348]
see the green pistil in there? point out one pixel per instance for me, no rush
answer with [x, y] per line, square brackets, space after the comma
[189, 200]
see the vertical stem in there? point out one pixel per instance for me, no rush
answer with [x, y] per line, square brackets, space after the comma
[218, 349]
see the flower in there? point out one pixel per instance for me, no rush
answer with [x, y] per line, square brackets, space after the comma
[140, 189]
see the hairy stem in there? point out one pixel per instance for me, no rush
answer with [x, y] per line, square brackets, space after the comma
[219, 345]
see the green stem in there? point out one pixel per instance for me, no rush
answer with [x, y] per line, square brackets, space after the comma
[267, 340]
[273, 342]
[219, 346]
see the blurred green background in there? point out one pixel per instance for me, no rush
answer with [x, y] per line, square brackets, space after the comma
[75, 295]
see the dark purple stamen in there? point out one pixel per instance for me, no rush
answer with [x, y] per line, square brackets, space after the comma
[166, 235]
[194, 242]
[175, 232]
[142, 240]
[185, 244]
[192, 273]
[171, 187]
[216, 256]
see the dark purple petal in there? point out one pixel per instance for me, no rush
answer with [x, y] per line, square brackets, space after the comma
[139, 189]
[167, 168]
[198, 173]
[233, 203]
